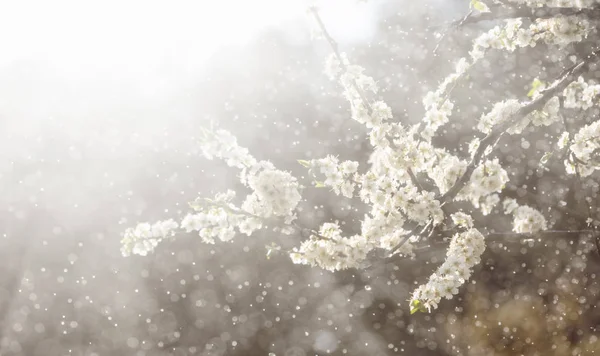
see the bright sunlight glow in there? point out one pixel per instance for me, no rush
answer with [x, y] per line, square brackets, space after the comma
[109, 34]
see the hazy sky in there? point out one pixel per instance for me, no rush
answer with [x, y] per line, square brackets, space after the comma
[67, 62]
[136, 35]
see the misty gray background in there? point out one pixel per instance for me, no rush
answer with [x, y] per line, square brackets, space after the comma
[99, 109]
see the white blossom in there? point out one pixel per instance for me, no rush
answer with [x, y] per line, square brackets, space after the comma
[339, 176]
[525, 218]
[585, 146]
[580, 94]
[509, 205]
[331, 251]
[563, 140]
[145, 237]
[556, 3]
[463, 220]
[464, 252]
[488, 178]
[501, 112]
[275, 193]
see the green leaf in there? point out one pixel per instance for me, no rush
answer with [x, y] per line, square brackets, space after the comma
[205, 134]
[479, 6]
[304, 163]
[320, 185]
[535, 85]
[417, 306]
[195, 205]
[546, 157]
[272, 249]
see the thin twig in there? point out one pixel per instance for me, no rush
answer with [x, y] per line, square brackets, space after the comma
[445, 33]
[408, 236]
[334, 47]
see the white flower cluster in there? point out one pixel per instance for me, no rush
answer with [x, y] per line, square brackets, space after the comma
[525, 218]
[585, 145]
[557, 3]
[501, 112]
[408, 153]
[212, 218]
[504, 110]
[356, 84]
[373, 116]
[486, 180]
[145, 237]
[210, 223]
[331, 251]
[558, 31]
[222, 144]
[219, 217]
[464, 252]
[275, 193]
[352, 77]
[488, 203]
[561, 30]
[508, 37]
[580, 94]
[545, 117]
[586, 149]
[446, 171]
[438, 108]
[338, 176]
[421, 207]
[392, 205]
[563, 140]
[463, 220]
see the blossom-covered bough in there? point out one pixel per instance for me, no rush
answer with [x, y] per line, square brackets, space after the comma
[404, 211]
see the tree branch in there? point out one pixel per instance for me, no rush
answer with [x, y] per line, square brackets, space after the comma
[558, 86]
[543, 12]
[336, 52]
[334, 47]
[505, 13]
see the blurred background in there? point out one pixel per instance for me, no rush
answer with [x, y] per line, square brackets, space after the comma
[100, 107]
